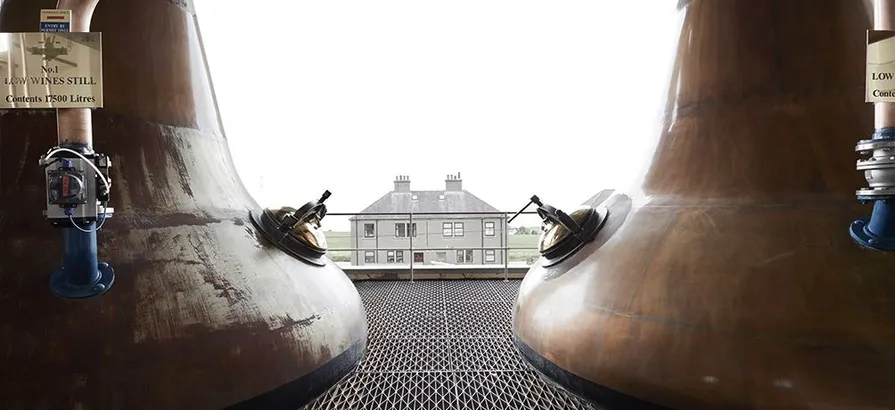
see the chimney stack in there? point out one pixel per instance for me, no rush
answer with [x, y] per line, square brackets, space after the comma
[453, 183]
[402, 183]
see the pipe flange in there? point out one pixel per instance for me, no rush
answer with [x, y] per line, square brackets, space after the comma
[873, 194]
[861, 233]
[269, 226]
[61, 287]
[879, 168]
[876, 163]
[870, 145]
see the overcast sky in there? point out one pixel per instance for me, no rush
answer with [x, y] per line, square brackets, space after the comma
[521, 97]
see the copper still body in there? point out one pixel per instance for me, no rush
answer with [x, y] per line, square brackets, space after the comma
[204, 313]
[727, 278]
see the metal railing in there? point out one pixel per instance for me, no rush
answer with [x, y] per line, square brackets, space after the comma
[412, 234]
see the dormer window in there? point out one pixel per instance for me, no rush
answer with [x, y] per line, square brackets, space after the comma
[414, 197]
[441, 197]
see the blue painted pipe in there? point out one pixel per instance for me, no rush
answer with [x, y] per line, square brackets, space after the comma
[80, 261]
[878, 231]
[82, 275]
[882, 220]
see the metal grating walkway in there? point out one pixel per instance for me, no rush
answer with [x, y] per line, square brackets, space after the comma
[442, 345]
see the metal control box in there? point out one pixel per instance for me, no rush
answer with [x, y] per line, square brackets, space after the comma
[71, 190]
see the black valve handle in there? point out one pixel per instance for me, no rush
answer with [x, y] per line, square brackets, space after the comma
[314, 210]
[549, 213]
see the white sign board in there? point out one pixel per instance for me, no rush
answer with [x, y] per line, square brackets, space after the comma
[52, 70]
[880, 85]
[55, 21]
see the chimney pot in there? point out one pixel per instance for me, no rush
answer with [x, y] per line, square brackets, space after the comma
[402, 183]
[453, 183]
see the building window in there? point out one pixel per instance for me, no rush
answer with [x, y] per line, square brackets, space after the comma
[370, 257]
[464, 256]
[489, 255]
[401, 229]
[489, 229]
[399, 256]
[446, 229]
[390, 257]
[418, 257]
[414, 197]
[458, 228]
[369, 231]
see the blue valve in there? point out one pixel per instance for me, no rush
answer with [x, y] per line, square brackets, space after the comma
[878, 231]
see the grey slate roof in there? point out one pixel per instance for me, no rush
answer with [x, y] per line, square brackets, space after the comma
[427, 201]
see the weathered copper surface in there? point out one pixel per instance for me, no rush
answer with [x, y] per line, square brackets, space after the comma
[727, 279]
[203, 313]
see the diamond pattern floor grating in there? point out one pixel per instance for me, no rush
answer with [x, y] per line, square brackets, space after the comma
[442, 345]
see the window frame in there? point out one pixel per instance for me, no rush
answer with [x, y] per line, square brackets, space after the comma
[462, 229]
[461, 256]
[372, 233]
[492, 228]
[492, 255]
[408, 228]
[369, 255]
[389, 256]
[447, 229]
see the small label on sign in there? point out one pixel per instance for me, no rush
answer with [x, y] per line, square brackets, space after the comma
[55, 21]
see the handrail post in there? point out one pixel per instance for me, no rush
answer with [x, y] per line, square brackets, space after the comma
[506, 250]
[410, 235]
